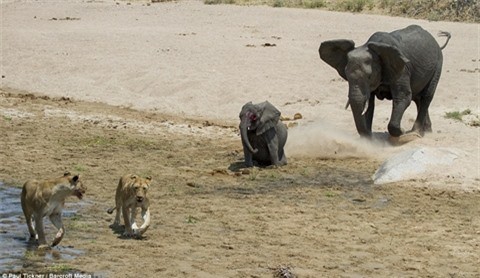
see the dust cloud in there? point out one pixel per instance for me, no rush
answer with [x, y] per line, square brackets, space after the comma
[319, 139]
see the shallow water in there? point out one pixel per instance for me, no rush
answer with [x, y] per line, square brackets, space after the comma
[17, 250]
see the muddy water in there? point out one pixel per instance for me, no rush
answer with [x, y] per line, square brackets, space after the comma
[17, 251]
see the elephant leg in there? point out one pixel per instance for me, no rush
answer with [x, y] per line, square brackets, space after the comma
[401, 97]
[394, 127]
[282, 157]
[282, 133]
[274, 155]
[422, 122]
[272, 144]
[428, 123]
[248, 157]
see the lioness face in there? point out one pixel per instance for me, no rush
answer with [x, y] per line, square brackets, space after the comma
[141, 187]
[78, 187]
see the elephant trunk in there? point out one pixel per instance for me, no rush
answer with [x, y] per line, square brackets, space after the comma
[243, 133]
[359, 103]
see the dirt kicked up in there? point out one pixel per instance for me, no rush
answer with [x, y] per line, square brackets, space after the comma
[312, 218]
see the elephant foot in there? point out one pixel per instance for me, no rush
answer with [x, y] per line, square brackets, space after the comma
[403, 139]
[245, 171]
[421, 132]
[395, 131]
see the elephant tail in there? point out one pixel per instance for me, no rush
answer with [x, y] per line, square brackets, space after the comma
[444, 34]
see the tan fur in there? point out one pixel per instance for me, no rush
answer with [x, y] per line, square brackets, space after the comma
[132, 194]
[47, 198]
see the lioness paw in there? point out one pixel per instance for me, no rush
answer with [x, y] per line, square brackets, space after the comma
[128, 234]
[57, 240]
[44, 247]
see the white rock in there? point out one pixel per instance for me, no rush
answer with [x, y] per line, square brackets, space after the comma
[415, 163]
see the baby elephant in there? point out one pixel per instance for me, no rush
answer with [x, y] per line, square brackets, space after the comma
[263, 135]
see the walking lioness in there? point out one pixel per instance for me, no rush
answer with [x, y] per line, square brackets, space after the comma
[47, 198]
[131, 194]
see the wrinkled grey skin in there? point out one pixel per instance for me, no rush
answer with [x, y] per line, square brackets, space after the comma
[263, 134]
[401, 66]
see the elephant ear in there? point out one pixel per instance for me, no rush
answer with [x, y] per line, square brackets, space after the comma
[334, 53]
[393, 61]
[269, 118]
[247, 106]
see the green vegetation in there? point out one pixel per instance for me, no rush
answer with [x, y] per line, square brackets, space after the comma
[213, 2]
[355, 6]
[191, 219]
[77, 223]
[253, 175]
[330, 194]
[98, 141]
[314, 4]
[456, 115]
[139, 144]
[110, 141]
[472, 120]
[79, 168]
[452, 10]
[59, 268]
[30, 255]
[274, 175]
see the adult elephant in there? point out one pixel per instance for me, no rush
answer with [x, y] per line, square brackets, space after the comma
[401, 66]
[263, 134]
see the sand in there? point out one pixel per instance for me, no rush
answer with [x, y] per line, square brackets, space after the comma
[205, 61]
[186, 69]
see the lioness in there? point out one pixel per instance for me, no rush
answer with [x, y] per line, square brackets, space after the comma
[47, 198]
[131, 194]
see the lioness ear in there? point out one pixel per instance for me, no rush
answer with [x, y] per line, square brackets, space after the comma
[75, 178]
[149, 178]
[66, 174]
[133, 176]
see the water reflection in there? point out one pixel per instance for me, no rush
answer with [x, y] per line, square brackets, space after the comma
[18, 250]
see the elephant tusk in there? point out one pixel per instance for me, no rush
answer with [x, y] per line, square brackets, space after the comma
[365, 108]
[347, 104]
